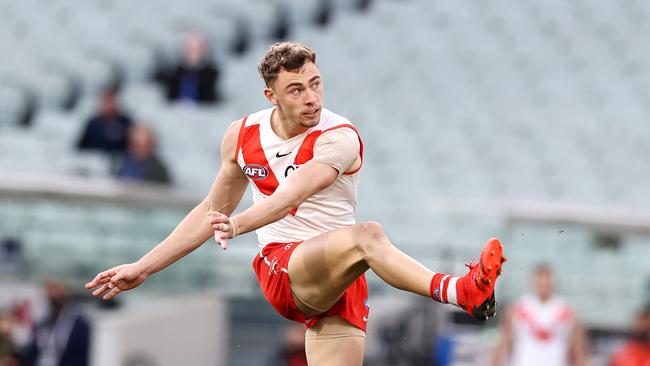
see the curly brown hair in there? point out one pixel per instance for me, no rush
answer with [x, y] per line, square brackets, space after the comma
[289, 56]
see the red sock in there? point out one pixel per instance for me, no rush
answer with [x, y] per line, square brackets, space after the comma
[443, 288]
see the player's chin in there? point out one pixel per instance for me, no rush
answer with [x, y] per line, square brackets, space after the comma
[310, 120]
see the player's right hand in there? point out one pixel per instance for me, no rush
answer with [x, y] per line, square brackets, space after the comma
[221, 227]
[117, 279]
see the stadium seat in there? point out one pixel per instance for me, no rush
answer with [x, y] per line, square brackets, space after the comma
[13, 105]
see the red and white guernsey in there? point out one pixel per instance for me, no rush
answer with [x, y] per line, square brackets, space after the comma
[267, 160]
[542, 332]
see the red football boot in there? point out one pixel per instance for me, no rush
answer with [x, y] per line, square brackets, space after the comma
[475, 290]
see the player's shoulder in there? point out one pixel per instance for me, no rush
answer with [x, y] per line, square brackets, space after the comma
[233, 129]
[248, 120]
[562, 305]
[231, 138]
[257, 117]
[524, 302]
[331, 119]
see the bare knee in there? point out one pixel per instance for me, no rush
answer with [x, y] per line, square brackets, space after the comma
[368, 231]
[369, 236]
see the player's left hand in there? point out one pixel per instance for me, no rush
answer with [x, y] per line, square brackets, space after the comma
[117, 279]
[222, 229]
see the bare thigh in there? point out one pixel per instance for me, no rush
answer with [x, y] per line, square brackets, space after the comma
[334, 342]
[321, 269]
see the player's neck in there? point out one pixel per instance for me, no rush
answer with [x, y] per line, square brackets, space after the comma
[284, 128]
[543, 298]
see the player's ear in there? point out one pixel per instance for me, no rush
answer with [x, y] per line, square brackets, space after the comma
[270, 96]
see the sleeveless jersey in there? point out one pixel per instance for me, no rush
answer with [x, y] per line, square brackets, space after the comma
[542, 332]
[267, 161]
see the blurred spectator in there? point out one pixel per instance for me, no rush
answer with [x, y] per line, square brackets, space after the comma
[292, 351]
[23, 323]
[106, 131]
[140, 161]
[8, 355]
[541, 329]
[636, 352]
[63, 338]
[11, 257]
[196, 78]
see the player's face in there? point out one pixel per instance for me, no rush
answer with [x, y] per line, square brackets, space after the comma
[299, 95]
[543, 284]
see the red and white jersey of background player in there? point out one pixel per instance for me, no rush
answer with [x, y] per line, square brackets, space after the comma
[542, 332]
[267, 160]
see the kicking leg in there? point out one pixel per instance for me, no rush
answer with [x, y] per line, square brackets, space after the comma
[321, 268]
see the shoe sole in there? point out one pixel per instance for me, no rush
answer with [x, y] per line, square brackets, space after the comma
[486, 310]
[491, 263]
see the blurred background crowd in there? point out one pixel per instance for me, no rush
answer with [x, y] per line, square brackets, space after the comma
[526, 120]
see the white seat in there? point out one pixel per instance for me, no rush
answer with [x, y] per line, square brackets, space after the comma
[89, 164]
[301, 13]
[13, 104]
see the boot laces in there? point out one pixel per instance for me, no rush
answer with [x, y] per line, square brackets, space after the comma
[471, 265]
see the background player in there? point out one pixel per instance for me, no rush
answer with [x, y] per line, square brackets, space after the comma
[541, 328]
[303, 161]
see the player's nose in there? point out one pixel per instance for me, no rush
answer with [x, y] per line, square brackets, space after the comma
[311, 97]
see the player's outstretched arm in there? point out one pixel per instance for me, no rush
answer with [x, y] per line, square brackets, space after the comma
[225, 194]
[334, 153]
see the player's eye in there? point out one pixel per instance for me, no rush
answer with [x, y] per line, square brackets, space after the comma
[295, 92]
[315, 85]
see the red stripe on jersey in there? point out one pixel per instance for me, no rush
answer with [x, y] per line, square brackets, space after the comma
[239, 140]
[565, 315]
[445, 286]
[306, 150]
[251, 148]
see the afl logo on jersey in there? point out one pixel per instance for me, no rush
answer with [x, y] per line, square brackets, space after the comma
[255, 171]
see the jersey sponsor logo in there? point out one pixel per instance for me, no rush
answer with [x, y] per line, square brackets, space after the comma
[290, 169]
[365, 319]
[255, 171]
